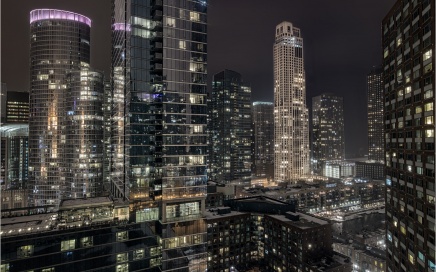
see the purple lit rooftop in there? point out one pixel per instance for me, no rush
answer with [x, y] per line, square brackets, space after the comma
[44, 14]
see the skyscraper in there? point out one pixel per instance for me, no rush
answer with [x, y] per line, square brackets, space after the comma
[328, 129]
[159, 143]
[84, 138]
[14, 155]
[263, 124]
[64, 108]
[375, 115]
[408, 37]
[291, 117]
[230, 128]
[17, 107]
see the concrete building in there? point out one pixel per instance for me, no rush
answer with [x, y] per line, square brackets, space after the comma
[93, 234]
[362, 259]
[338, 169]
[230, 128]
[408, 40]
[291, 116]
[268, 235]
[328, 139]
[263, 125]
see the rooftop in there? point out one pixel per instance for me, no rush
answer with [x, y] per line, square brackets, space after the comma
[304, 221]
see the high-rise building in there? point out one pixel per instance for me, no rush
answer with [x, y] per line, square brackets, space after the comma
[14, 155]
[408, 40]
[107, 118]
[375, 115]
[230, 131]
[291, 117]
[17, 107]
[64, 108]
[159, 141]
[327, 129]
[263, 126]
[84, 133]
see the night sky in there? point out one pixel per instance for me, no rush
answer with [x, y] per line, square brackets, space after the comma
[342, 41]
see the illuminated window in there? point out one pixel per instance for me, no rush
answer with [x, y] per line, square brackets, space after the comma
[428, 106]
[51, 269]
[86, 241]
[194, 16]
[25, 251]
[411, 258]
[138, 254]
[399, 41]
[154, 251]
[155, 262]
[429, 120]
[122, 236]
[122, 268]
[386, 53]
[122, 257]
[408, 89]
[418, 109]
[427, 55]
[400, 93]
[429, 133]
[68, 245]
[428, 94]
[4, 268]
[182, 44]
[170, 21]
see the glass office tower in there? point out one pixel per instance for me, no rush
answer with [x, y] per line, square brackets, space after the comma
[291, 116]
[84, 126]
[59, 42]
[230, 128]
[408, 39]
[263, 125]
[159, 121]
[328, 141]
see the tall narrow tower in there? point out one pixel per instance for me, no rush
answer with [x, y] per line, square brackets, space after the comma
[291, 118]
[159, 143]
[375, 115]
[231, 128]
[328, 129]
[263, 126]
[59, 43]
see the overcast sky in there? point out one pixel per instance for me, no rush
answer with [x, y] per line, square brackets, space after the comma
[342, 41]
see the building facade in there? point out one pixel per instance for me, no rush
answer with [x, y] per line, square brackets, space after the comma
[291, 117]
[263, 125]
[59, 42]
[14, 155]
[93, 234]
[84, 133]
[374, 93]
[17, 107]
[158, 123]
[230, 128]
[408, 37]
[328, 139]
[370, 169]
